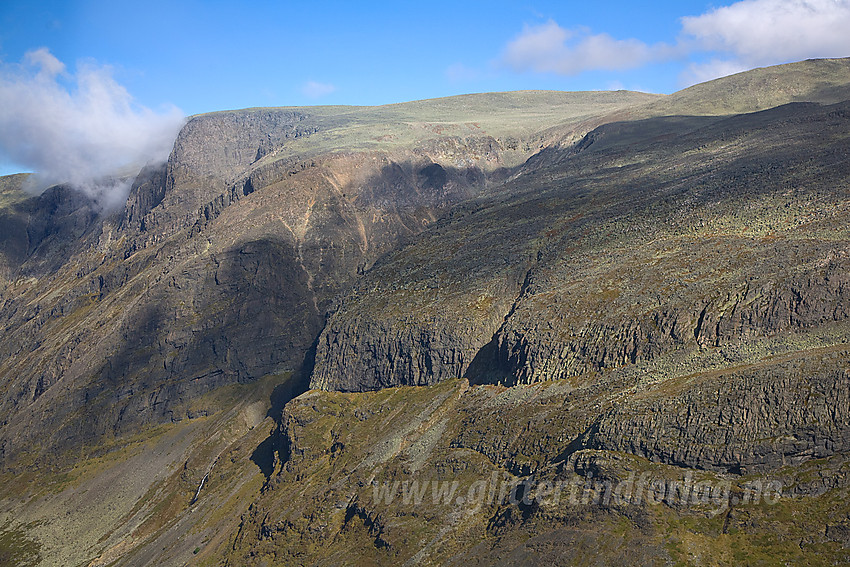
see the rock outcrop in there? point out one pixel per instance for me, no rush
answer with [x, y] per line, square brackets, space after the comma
[753, 420]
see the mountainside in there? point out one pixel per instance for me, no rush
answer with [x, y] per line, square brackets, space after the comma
[508, 292]
[607, 254]
[225, 259]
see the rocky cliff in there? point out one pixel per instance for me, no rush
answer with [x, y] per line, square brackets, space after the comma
[613, 254]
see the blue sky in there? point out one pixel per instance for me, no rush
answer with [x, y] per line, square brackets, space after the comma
[204, 56]
[193, 57]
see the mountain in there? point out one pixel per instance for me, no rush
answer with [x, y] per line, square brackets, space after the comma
[311, 323]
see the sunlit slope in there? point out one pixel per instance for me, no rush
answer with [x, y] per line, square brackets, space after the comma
[825, 81]
[513, 119]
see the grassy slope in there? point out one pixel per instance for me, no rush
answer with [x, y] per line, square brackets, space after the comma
[137, 490]
[512, 117]
[825, 81]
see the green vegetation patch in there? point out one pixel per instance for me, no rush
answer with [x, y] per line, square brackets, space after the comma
[16, 548]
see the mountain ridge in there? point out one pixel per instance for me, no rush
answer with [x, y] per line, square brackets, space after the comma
[589, 284]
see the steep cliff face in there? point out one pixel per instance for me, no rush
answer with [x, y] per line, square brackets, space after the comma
[210, 154]
[614, 255]
[415, 323]
[749, 420]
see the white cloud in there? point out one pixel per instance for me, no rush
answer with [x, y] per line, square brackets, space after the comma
[78, 128]
[313, 89]
[549, 48]
[713, 69]
[753, 33]
[733, 38]
[764, 32]
[45, 61]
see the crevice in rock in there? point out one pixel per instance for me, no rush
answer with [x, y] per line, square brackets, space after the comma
[487, 367]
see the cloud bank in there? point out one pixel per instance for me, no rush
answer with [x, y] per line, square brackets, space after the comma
[753, 33]
[81, 128]
[726, 40]
[549, 48]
